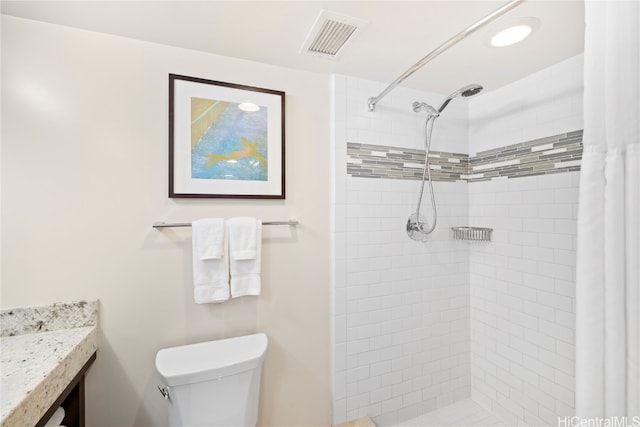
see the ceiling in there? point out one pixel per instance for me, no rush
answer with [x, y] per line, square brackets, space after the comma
[397, 34]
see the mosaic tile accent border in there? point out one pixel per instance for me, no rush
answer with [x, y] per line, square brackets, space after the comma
[379, 161]
[554, 154]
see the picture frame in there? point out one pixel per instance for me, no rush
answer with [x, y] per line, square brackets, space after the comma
[225, 140]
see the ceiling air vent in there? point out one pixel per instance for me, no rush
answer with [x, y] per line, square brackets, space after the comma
[330, 33]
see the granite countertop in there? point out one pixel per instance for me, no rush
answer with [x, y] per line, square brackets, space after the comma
[42, 349]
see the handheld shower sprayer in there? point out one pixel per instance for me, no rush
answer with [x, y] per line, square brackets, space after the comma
[417, 229]
[465, 92]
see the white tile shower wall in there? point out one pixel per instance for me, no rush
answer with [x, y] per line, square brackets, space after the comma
[523, 282]
[395, 123]
[404, 325]
[401, 308]
[545, 103]
[522, 297]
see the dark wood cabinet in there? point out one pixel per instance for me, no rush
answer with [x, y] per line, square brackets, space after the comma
[72, 400]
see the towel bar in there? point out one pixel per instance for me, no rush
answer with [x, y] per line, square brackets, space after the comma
[291, 222]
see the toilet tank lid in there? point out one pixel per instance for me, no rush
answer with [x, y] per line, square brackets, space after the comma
[210, 360]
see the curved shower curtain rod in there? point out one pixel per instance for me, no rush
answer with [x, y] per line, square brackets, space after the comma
[444, 46]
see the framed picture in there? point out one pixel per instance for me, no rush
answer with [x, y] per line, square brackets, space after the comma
[225, 140]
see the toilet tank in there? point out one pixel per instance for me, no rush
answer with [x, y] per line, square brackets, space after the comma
[214, 383]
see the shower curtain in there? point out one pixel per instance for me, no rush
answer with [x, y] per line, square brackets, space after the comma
[608, 253]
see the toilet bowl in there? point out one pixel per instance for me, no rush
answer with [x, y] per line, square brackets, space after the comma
[214, 383]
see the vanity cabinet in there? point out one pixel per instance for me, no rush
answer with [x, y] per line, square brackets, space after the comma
[45, 352]
[72, 400]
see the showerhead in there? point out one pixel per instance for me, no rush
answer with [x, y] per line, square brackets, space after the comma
[466, 92]
[471, 90]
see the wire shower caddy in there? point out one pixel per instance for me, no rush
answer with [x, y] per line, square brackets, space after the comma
[475, 234]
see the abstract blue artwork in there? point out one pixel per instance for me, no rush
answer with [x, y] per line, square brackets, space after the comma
[227, 141]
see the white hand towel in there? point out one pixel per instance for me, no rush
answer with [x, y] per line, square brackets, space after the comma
[245, 235]
[243, 243]
[210, 261]
[209, 238]
[56, 418]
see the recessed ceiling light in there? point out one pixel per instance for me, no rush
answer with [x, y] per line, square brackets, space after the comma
[514, 32]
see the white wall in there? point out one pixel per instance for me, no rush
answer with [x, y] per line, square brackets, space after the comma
[522, 297]
[401, 325]
[523, 282]
[543, 104]
[395, 123]
[84, 174]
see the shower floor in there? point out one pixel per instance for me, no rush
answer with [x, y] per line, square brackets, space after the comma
[464, 413]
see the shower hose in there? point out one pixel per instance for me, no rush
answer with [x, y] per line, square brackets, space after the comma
[426, 174]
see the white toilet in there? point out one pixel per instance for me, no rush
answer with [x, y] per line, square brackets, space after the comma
[215, 383]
